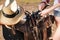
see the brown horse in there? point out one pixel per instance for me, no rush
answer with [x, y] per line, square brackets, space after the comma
[39, 25]
[35, 27]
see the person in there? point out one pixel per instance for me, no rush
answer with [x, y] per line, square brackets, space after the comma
[11, 14]
[56, 8]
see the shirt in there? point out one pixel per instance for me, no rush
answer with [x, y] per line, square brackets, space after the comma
[55, 2]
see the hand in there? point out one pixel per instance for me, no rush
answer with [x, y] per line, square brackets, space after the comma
[44, 12]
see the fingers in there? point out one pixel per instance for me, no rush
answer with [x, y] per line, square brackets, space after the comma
[43, 14]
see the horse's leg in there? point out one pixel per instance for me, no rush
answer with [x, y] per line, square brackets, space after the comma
[45, 34]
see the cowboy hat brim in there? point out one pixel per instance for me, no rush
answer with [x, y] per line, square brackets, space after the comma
[12, 21]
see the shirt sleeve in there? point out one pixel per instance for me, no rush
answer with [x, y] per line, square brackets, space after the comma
[1, 6]
[47, 1]
[59, 1]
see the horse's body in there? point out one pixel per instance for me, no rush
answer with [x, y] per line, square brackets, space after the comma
[34, 29]
[42, 26]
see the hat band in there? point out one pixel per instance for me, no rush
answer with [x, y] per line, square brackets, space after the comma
[11, 16]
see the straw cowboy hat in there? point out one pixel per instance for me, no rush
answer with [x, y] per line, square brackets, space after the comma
[8, 17]
[11, 13]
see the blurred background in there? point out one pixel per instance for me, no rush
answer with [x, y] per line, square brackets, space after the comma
[30, 5]
[31, 1]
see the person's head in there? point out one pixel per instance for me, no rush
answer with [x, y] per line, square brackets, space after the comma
[8, 17]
